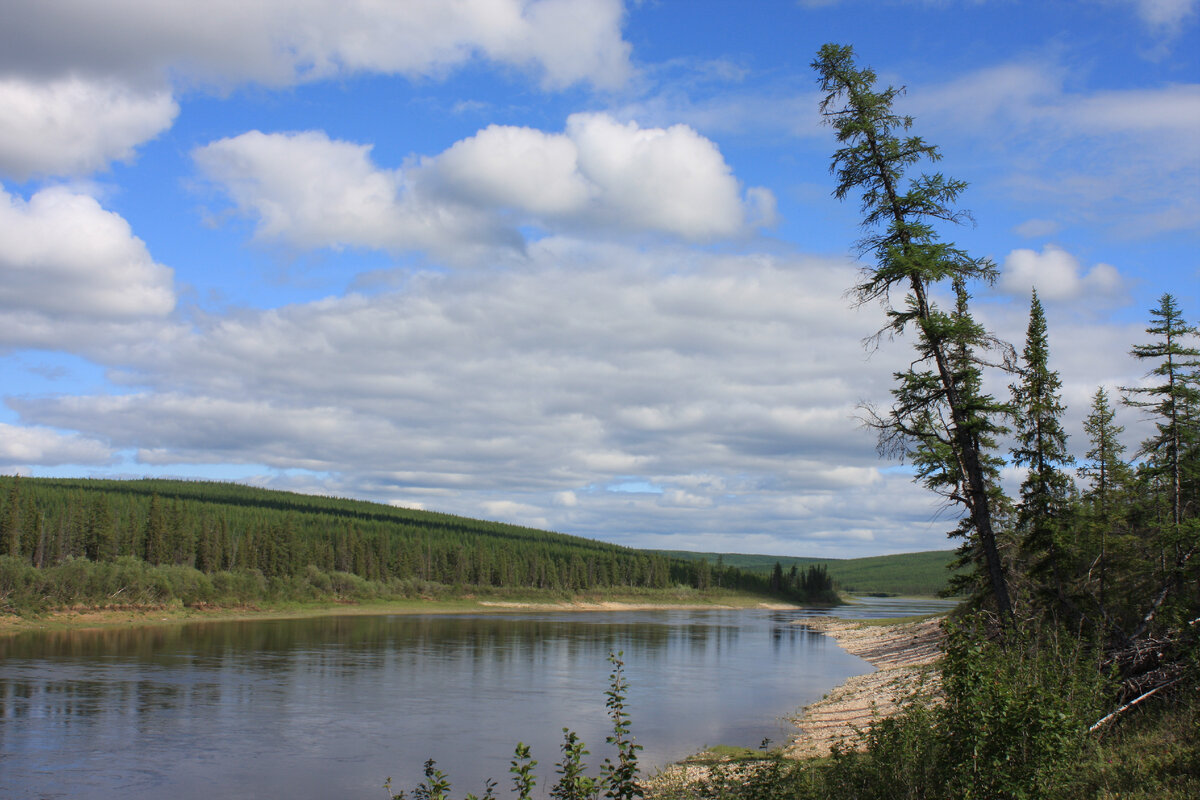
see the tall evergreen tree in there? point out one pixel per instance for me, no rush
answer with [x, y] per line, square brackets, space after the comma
[100, 535]
[10, 521]
[154, 537]
[1109, 475]
[933, 397]
[1173, 399]
[1041, 447]
[1105, 467]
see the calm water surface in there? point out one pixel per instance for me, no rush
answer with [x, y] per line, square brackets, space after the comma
[328, 708]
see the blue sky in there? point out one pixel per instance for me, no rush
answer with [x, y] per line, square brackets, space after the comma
[566, 263]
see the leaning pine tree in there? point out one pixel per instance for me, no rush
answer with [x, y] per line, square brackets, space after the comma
[940, 416]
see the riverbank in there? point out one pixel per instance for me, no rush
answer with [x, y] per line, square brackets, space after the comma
[82, 618]
[904, 655]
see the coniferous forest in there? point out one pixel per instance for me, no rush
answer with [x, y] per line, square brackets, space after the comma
[109, 542]
[1073, 669]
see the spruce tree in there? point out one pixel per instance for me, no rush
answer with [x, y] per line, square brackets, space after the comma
[10, 521]
[100, 535]
[154, 537]
[1105, 468]
[1041, 447]
[935, 409]
[1109, 475]
[1173, 399]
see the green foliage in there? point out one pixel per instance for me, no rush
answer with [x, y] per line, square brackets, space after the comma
[300, 547]
[573, 782]
[1016, 713]
[1041, 447]
[522, 769]
[940, 419]
[1013, 725]
[924, 573]
[1174, 399]
[617, 780]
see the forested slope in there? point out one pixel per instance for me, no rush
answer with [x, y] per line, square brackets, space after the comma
[273, 540]
[924, 573]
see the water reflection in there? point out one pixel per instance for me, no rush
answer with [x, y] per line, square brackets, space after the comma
[329, 707]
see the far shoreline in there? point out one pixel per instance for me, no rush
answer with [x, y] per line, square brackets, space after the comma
[92, 618]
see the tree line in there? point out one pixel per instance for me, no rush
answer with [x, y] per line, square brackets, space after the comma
[225, 528]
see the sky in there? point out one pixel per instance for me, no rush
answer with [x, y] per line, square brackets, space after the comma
[571, 264]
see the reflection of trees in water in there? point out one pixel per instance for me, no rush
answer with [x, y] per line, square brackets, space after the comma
[139, 670]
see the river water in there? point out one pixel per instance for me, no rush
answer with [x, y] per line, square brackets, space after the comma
[330, 707]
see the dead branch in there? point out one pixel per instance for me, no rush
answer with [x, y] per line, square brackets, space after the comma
[1109, 717]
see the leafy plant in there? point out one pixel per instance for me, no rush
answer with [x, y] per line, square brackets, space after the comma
[573, 782]
[618, 780]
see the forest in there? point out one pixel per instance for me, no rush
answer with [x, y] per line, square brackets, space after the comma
[104, 542]
[1072, 670]
[1072, 667]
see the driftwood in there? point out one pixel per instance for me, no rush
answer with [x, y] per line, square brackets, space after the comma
[1147, 667]
[1110, 717]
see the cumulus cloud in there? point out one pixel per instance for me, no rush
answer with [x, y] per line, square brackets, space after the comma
[282, 42]
[136, 53]
[1058, 275]
[22, 446]
[67, 264]
[602, 172]
[307, 190]
[728, 383]
[724, 383]
[73, 126]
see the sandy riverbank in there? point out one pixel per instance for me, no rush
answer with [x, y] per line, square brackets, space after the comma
[903, 656]
[89, 618]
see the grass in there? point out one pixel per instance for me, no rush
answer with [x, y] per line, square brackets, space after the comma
[1154, 755]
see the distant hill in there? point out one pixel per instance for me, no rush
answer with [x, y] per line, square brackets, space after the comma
[924, 573]
[290, 543]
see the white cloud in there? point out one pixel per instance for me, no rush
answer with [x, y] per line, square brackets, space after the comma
[1165, 16]
[518, 386]
[1016, 92]
[1171, 111]
[509, 167]
[730, 383]
[135, 52]
[1126, 159]
[282, 42]
[1058, 275]
[310, 191]
[73, 126]
[1037, 228]
[602, 172]
[67, 266]
[22, 446]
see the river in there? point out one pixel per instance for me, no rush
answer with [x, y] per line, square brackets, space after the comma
[330, 707]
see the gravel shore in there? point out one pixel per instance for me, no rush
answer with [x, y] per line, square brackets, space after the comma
[903, 656]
